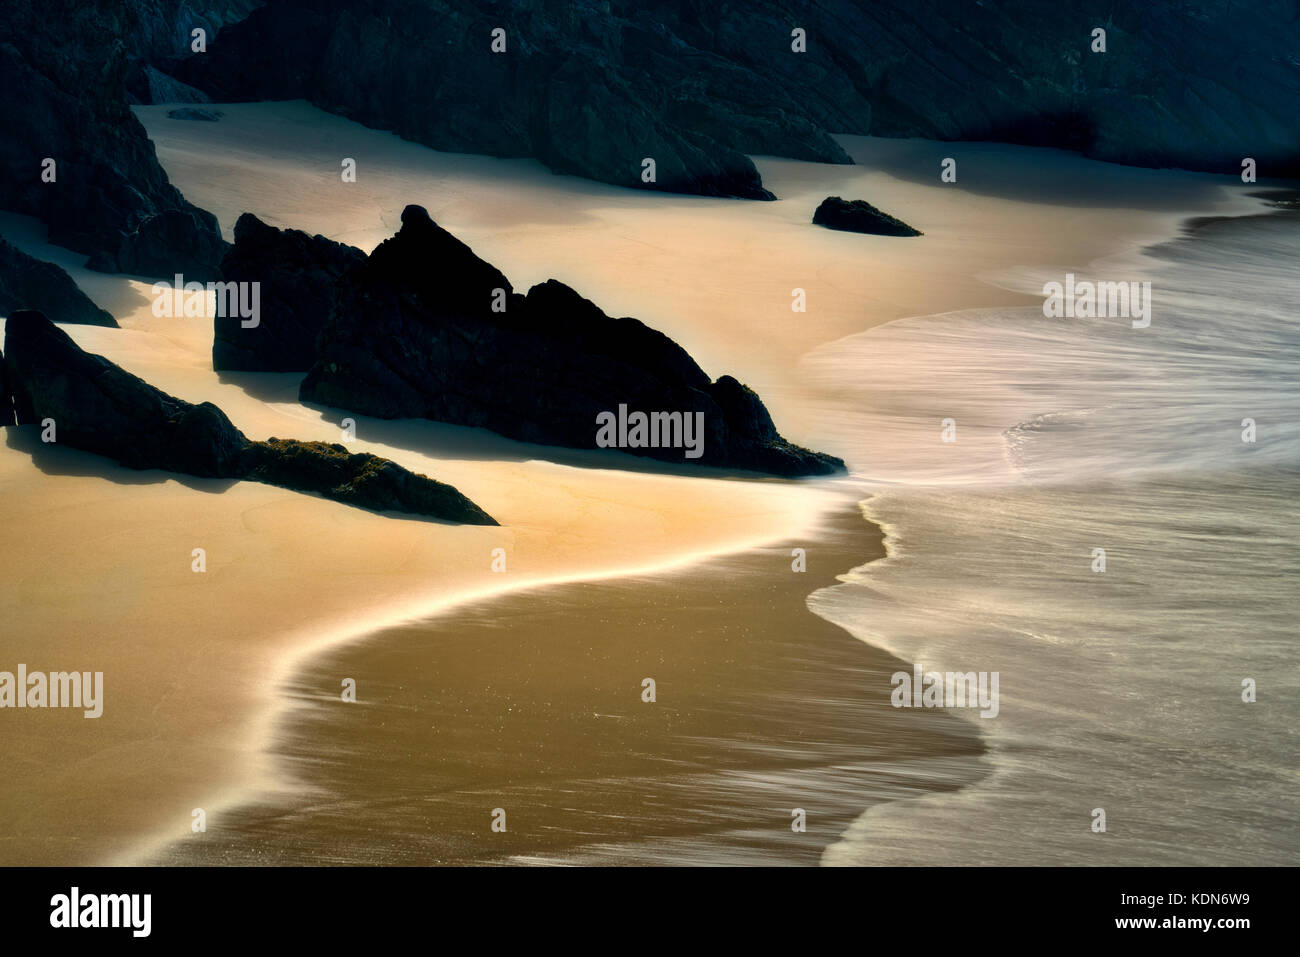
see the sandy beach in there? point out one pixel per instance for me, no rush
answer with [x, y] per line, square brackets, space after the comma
[536, 703]
[200, 669]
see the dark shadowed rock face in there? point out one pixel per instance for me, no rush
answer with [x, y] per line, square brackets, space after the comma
[62, 70]
[594, 86]
[413, 334]
[588, 88]
[296, 273]
[164, 28]
[98, 407]
[184, 241]
[859, 216]
[30, 283]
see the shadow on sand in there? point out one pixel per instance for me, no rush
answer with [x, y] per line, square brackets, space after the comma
[54, 459]
[1033, 174]
[446, 441]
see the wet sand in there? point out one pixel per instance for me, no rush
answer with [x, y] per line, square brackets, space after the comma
[533, 703]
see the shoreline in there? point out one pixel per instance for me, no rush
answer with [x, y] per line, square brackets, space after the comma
[517, 702]
[288, 561]
[271, 777]
[293, 680]
[1017, 790]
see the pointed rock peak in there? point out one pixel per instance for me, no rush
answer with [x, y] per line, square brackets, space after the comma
[416, 216]
[248, 226]
[419, 228]
[424, 256]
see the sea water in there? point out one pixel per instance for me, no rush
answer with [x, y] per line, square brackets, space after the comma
[1172, 454]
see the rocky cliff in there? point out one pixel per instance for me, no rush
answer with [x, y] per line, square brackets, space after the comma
[594, 87]
[76, 157]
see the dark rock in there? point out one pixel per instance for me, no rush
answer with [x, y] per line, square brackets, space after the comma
[297, 273]
[593, 86]
[30, 283]
[412, 334]
[753, 436]
[145, 84]
[193, 113]
[99, 407]
[587, 88]
[859, 216]
[184, 241]
[62, 69]
[360, 479]
[159, 29]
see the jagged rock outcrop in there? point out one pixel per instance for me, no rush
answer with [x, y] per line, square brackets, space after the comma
[30, 283]
[62, 69]
[99, 407]
[594, 86]
[297, 273]
[588, 88]
[413, 333]
[859, 216]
